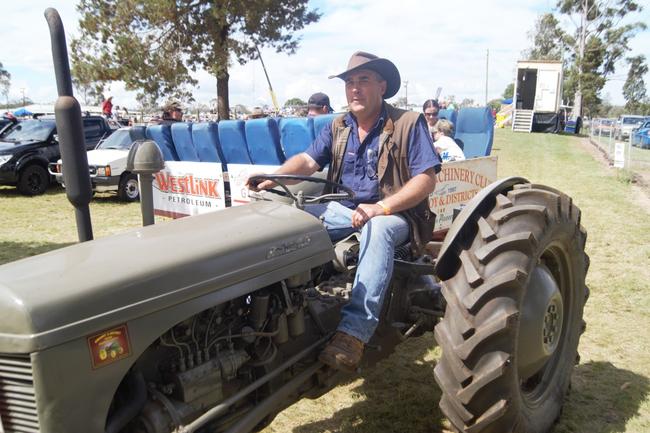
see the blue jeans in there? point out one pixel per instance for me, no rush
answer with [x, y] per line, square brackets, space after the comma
[379, 236]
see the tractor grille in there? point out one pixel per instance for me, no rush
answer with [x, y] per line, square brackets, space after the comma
[17, 398]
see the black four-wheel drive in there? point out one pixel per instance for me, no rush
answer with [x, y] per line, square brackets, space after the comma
[28, 146]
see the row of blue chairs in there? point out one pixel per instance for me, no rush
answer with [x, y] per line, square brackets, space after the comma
[267, 141]
[272, 141]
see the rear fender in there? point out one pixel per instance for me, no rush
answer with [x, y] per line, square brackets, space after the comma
[462, 230]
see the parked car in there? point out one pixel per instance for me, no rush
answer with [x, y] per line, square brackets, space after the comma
[27, 148]
[625, 124]
[6, 124]
[604, 126]
[107, 164]
[641, 136]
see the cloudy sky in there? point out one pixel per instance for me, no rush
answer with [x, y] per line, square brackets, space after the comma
[434, 44]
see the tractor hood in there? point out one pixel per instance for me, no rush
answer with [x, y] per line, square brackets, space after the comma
[64, 294]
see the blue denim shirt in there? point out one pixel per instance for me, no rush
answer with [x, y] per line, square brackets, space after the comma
[359, 168]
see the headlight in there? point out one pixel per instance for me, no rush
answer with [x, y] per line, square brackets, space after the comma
[104, 171]
[4, 158]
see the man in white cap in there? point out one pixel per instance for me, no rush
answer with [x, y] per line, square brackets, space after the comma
[386, 156]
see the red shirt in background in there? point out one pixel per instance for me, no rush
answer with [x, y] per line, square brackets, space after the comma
[107, 107]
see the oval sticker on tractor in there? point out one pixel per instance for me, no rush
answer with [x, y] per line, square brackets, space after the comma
[109, 346]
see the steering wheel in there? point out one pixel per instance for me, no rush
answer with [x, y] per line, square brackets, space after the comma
[299, 198]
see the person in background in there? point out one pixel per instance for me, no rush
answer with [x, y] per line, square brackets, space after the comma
[385, 155]
[107, 106]
[431, 108]
[319, 103]
[442, 133]
[172, 113]
[257, 113]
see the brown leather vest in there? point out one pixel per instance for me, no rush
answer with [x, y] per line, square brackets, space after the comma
[392, 168]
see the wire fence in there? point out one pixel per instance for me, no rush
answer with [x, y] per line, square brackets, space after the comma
[631, 153]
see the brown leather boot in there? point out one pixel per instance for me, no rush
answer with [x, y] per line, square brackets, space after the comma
[343, 352]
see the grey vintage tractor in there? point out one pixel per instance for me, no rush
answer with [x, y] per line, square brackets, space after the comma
[214, 323]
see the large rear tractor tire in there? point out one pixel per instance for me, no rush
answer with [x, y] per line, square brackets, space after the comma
[510, 333]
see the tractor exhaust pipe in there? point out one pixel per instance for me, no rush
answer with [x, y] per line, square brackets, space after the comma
[70, 131]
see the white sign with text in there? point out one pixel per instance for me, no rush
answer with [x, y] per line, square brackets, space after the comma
[619, 154]
[458, 182]
[186, 188]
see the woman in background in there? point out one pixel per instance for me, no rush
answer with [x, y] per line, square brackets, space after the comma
[430, 110]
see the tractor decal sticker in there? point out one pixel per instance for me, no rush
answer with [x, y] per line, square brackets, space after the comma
[288, 247]
[109, 346]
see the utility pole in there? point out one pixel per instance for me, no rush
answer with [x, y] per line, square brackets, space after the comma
[406, 98]
[487, 62]
[577, 102]
[22, 89]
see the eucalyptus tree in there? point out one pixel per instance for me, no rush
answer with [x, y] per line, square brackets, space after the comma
[154, 46]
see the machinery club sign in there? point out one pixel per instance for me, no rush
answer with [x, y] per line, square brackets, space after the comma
[458, 182]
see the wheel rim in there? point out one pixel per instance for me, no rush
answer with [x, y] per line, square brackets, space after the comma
[543, 324]
[34, 181]
[131, 189]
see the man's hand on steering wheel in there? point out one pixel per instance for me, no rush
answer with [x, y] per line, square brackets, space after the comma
[268, 181]
[257, 185]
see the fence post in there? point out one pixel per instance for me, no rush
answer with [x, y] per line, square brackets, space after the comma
[600, 135]
[629, 152]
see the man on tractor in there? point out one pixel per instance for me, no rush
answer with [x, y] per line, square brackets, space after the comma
[386, 156]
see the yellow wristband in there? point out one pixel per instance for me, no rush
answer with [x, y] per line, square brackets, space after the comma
[384, 207]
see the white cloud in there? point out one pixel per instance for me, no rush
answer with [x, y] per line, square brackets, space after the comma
[434, 44]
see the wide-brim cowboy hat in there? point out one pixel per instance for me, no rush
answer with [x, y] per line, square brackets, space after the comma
[384, 67]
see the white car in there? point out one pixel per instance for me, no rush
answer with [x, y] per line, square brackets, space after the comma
[626, 124]
[107, 164]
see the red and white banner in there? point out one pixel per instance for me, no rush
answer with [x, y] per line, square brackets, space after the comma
[188, 188]
[458, 182]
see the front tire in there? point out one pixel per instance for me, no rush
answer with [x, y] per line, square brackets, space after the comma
[510, 332]
[128, 189]
[33, 180]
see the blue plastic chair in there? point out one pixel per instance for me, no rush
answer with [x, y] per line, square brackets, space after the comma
[451, 115]
[322, 120]
[182, 136]
[296, 134]
[263, 139]
[162, 135]
[232, 136]
[205, 137]
[475, 127]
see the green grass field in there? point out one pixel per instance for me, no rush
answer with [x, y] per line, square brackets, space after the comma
[611, 385]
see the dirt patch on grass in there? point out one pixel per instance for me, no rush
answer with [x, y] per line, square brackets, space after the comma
[640, 181]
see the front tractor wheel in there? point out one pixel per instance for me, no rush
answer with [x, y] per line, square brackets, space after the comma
[510, 333]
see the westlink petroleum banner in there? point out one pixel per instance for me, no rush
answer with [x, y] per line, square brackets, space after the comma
[188, 188]
[458, 182]
[238, 174]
